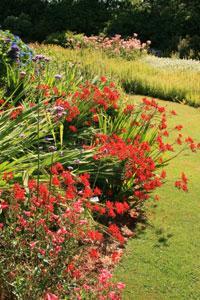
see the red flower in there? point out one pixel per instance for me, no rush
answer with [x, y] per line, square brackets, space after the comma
[173, 112]
[184, 178]
[19, 193]
[32, 184]
[15, 113]
[72, 128]
[114, 230]
[103, 79]
[95, 235]
[163, 174]
[55, 181]
[97, 191]
[93, 253]
[7, 176]
[182, 184]
[178, 127]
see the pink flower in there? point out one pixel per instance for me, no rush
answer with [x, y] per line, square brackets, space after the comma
[50, 296]
[32, 245]
[4, 205]
[121, 285]
[105, 276]
[113, 296]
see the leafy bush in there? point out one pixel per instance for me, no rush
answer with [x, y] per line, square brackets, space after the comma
[66, 39]
[12, 50]
[20, 25]
[188, 47]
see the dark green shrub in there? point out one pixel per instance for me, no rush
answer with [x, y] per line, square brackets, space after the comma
[66, 39]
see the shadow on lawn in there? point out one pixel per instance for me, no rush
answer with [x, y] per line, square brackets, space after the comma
[163, 238]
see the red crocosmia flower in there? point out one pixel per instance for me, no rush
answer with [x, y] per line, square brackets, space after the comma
[32, 184]
[179, 141]
[128, 109]
[72, 128]
[157, 198]
[112, 84]
[166, 133]
[70, 193]
[111, 213]
[7, 176]
[93, 253]
[70, 267]
[184, 188]
[97, 191]
[114, 230]
[68, 179]
[163, 174]
[116, 255]
[189, 140]
[184, 178]
[182, 184]
[87, 123]
[119, 208]
[15, 113]
[55, 181]
[109, 205]
[57, 168]
[193, 147]
[95, 235]
[95, 118]
[76, 274]
[50, 296]
[31, 104]
[87, 192]
[103, 79]
[173, 112]
[178, 127]
[19, 193]
[55, 90]
[161, 109]
[84, 179]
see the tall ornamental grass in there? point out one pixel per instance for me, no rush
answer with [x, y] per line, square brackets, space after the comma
[135, 76]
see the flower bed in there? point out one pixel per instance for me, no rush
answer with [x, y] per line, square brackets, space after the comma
[116, 46]
[77, 166]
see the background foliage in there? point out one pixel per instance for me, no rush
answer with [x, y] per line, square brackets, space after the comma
[171, 25]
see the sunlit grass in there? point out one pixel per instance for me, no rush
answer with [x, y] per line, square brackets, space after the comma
[163, 262]
[137, 76]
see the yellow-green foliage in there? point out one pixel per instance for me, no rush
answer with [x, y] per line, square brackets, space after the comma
[135, 76]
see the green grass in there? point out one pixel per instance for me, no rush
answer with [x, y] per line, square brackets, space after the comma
[136, 76]
[163, 261]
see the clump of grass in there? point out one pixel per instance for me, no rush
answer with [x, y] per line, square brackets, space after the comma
[137, 76]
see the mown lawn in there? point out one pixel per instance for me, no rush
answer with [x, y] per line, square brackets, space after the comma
[163, 262]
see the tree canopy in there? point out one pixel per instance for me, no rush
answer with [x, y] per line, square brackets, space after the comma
[165, 23]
